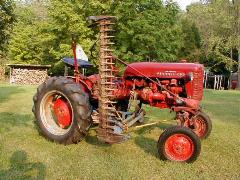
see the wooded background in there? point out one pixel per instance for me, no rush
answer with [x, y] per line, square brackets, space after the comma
[40, 31]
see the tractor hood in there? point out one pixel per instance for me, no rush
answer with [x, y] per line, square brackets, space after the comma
[162, 70]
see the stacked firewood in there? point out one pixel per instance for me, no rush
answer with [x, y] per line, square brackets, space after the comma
[28, 76]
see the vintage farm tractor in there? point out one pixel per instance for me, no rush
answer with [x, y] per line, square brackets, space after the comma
[66, 107]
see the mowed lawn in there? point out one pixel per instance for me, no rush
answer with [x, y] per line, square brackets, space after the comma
[24, 154]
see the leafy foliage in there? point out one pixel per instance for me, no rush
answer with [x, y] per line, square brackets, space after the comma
[45, 38]
[26, 44]
[191, 47]
[147, 30]
[215, 23]
[7, 17]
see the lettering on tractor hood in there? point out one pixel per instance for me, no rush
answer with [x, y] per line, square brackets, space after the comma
[162, 70]
[170, 73]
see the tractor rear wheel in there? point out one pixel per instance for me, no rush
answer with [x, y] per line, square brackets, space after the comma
[179, 144]
[62, 110]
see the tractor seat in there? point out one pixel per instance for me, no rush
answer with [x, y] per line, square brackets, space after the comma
[81, 63]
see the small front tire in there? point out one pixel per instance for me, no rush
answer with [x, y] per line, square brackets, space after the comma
[179, 144]
[202, 125]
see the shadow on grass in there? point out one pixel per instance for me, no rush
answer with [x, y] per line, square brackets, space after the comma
[9, 120]
[20, 168]
[7, 91]
[148, 145]
[92, 139]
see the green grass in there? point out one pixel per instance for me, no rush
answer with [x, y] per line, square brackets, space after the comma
[24, 154]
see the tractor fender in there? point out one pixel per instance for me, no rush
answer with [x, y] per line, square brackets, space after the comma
[85, 86]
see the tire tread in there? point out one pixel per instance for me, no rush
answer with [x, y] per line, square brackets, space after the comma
[175, 130]
[81, 116]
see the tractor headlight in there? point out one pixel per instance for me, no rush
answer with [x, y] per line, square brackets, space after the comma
[190, 75]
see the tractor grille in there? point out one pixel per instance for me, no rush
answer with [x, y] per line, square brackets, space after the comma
[197, 85]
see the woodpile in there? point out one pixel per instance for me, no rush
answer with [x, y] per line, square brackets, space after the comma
[28, 76]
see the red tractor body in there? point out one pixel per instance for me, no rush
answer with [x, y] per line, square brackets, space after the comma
[177, 77]
[184, 80]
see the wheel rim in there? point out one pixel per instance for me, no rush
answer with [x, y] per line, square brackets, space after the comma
[200, 126]
[179, 147]
[56, 113]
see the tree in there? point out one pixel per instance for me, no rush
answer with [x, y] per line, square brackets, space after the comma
[191, 47]
[50, 26]
[236, 14]
[6, 20]
[214, 21]
[147, 30]
[26, 44]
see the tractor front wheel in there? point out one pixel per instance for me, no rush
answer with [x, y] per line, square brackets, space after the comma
[202, 125]
[179, 144]
[62, 110]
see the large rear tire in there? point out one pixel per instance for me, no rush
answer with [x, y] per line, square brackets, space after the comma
[62, 110]
[179, 144]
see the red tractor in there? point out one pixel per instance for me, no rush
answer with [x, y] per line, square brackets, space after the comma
[66, 107]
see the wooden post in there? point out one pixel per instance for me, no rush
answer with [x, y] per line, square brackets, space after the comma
[219, 79]
[220, 83]
[84, 71]
[215, 78]
[65, 70]
[230, 81]
[206, 78]
[10, 75]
